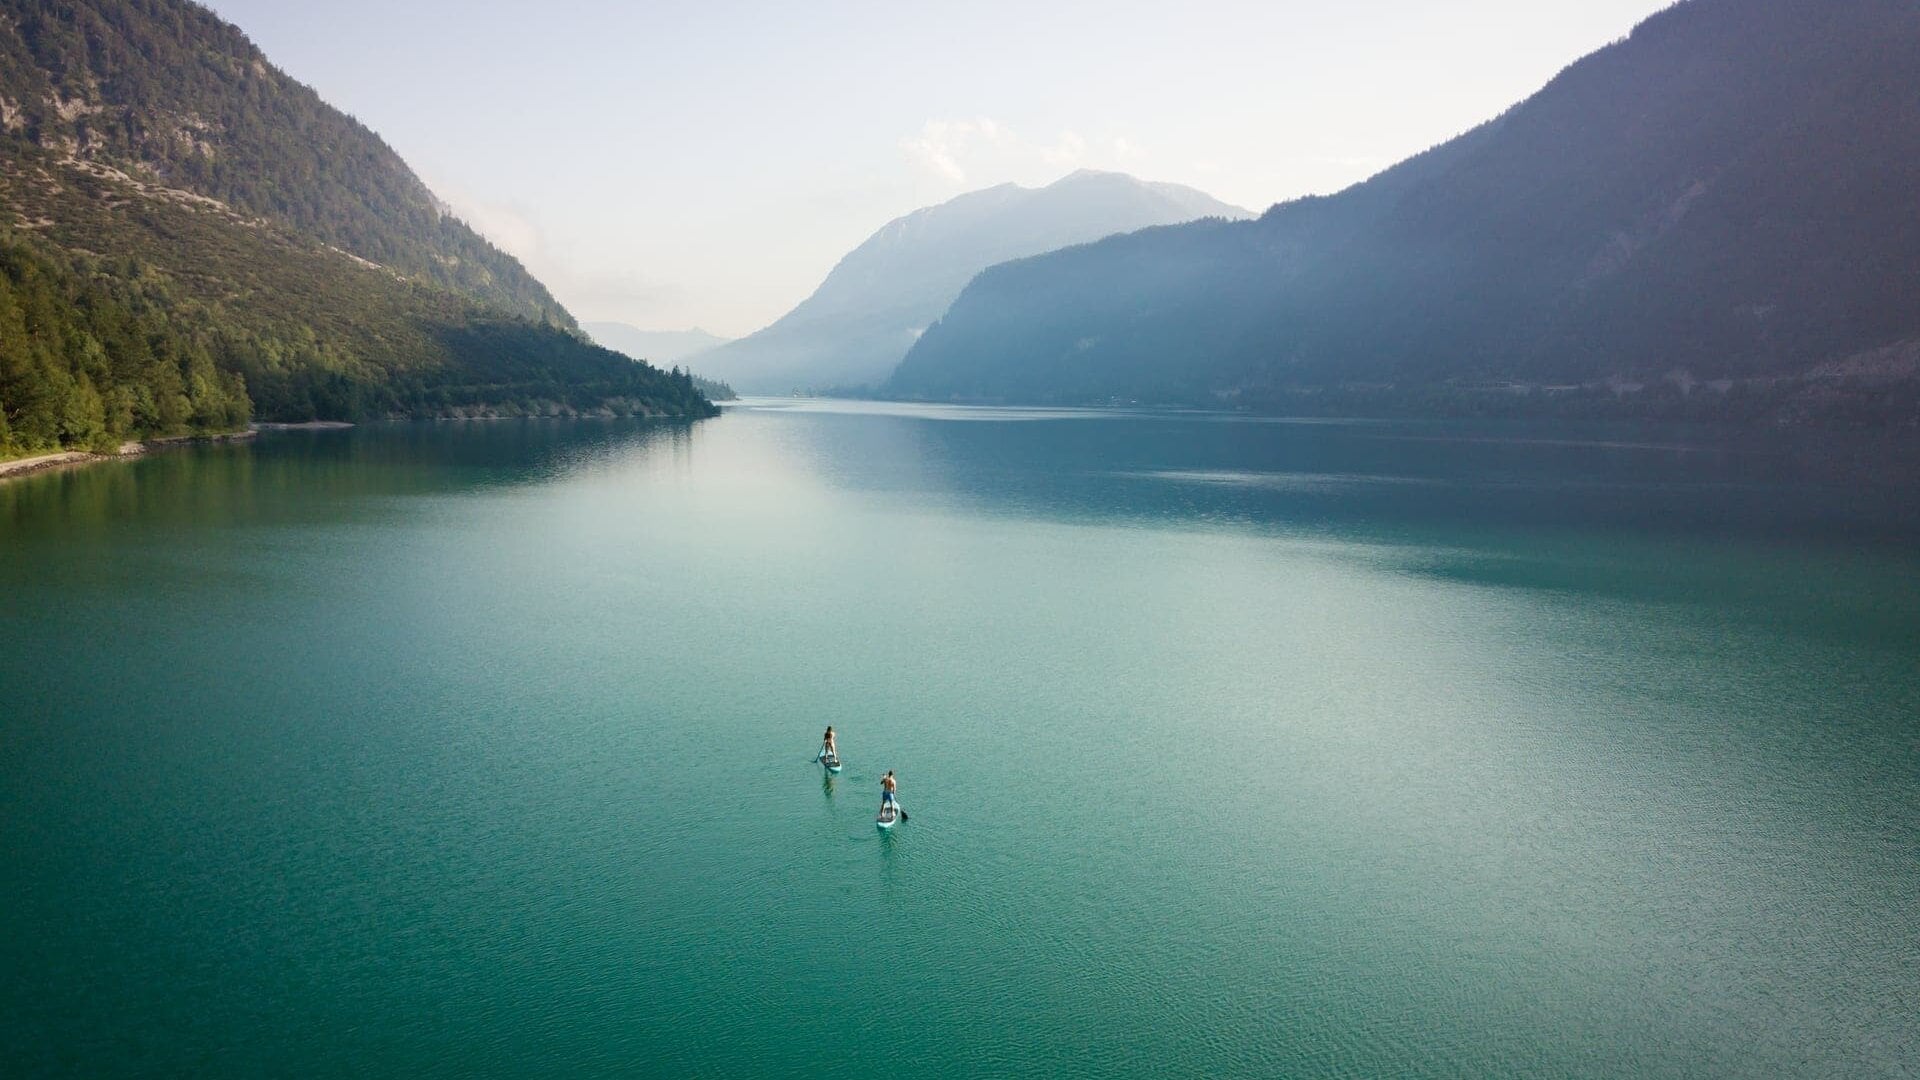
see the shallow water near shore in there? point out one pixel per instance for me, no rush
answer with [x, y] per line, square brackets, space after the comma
[1231, 748]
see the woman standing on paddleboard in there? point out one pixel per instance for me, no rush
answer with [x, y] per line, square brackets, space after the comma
[827, 747]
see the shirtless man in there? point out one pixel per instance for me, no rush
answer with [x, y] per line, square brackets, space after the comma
[887, 785]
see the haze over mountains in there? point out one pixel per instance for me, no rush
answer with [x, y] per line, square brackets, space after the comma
[863, 318]
[1713, 217]
[188, 236]
[655, 346]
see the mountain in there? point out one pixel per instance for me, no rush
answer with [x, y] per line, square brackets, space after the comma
[866, 314]
[1712, 217]
[657, 346]
[188, 237]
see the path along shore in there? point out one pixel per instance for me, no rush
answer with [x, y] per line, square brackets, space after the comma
[23, 466]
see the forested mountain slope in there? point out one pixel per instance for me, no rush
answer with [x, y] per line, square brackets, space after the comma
[153, 161]
[168, 91]
[1713, 217]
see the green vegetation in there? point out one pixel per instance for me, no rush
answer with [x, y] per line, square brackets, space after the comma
[174, 95]
[90, 359]
[171, 203]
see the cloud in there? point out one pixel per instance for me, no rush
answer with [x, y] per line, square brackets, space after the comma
[940, 144]
[510, 230]
[1069, 152]
[582, 280]
[959, 151]
[1353, 161]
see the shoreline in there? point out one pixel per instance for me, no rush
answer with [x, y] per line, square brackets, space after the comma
[27, 466]
[15, 468]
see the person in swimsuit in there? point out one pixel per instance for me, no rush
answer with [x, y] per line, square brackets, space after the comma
[829, 751]
[887, 784]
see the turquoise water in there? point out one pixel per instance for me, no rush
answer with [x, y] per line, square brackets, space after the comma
[1231, 748]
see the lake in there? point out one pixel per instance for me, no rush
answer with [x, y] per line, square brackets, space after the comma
[1231, 748]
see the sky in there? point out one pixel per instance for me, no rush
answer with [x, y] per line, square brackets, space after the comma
[672, 164]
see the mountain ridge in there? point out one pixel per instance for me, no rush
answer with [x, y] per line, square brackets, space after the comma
[275, 256]
[1713, 203]
[864, 315]
[172, 90]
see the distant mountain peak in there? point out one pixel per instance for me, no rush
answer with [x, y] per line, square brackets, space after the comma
[883, 294]
[1083, 174]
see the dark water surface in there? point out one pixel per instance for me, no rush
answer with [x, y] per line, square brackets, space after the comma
[1232, 748]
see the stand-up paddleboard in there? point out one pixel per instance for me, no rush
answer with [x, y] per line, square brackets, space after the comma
[889, 814]
[832, 763]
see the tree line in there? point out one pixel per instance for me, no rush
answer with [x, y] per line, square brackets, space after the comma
[90, 359]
